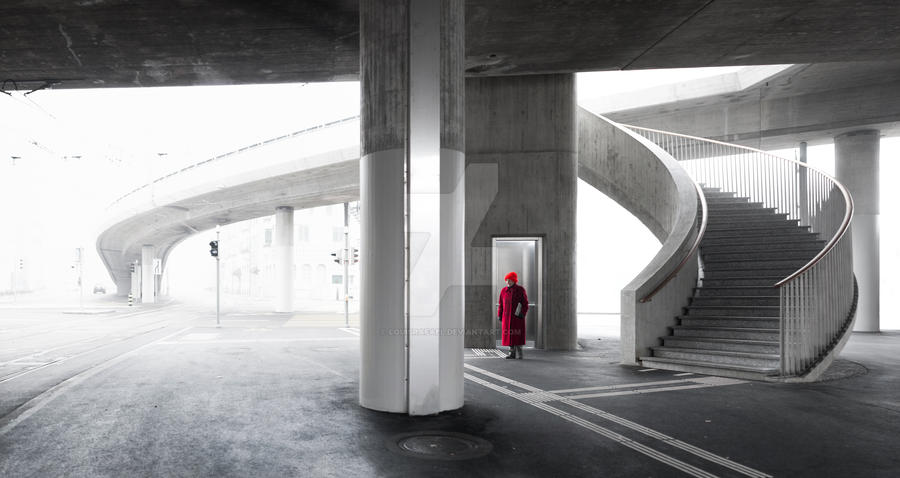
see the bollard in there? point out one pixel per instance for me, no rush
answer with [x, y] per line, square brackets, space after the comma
[130, 300]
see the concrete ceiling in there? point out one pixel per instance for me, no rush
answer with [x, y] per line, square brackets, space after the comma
[126, 43]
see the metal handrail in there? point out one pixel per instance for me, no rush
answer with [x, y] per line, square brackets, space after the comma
[237, 151]
[694, 246]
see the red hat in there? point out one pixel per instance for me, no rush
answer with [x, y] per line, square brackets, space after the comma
[513, 276]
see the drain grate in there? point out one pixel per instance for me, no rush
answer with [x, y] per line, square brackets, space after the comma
[439, 445]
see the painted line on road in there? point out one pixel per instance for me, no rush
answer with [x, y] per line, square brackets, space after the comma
[647, 370]
[29, 408]
[538, 398]
[703, 382]
[350, 330]
[622, 385]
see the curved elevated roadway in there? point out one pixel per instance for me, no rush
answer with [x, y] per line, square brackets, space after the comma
[310, 168]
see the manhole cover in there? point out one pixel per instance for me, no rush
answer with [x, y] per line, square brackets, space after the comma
[440, 445]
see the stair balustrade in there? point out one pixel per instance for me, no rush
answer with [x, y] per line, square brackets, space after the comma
[818, 300]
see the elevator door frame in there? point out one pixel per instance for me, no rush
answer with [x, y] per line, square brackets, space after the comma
[498, 283]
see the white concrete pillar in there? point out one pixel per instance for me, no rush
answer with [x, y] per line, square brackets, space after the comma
[148, 282]
[856, 166]
[284, 259]
[412, 205]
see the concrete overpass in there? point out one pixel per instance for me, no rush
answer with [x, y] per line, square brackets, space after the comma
[310, 168]
[445, 85]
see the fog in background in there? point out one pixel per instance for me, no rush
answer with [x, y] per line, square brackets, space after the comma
[65, 155]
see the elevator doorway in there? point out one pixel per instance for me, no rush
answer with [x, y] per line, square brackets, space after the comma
[524, 256]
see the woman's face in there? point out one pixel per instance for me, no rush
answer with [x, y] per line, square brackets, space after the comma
[510, 282]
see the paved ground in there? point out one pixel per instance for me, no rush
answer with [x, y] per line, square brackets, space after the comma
[164, 392]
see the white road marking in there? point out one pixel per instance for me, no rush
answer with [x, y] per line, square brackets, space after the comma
[350, 330]
[683, 374]
[704, 382]
[622, 385]
[538, 398]
[647, 370]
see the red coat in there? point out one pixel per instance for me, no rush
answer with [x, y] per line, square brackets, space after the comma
[513, 327]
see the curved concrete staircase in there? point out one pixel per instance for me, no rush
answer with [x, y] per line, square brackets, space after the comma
[731, 325]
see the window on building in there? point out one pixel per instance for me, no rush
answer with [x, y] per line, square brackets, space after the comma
[337, 279]
[337, 234]
[268, 239]
[303, 233]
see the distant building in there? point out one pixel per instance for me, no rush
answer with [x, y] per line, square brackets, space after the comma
[248, 266]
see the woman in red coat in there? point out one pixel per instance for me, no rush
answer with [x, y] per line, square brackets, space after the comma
[512, 310]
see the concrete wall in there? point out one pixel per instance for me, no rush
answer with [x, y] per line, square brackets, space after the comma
[521, 181]
[650, 184]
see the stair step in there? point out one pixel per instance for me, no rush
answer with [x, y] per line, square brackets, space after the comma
[729, 322]
[757, 239]
[722, 199]
[717, 357]
[745, 273]
[716, 204]
[714, 343]
[723, 370]
[717, 193]
[813, 246]
[734, 291]
[772, 254]
[749, 281]
[754, 264]
[727, 332]
[746, 213]
[791, 231]
[740, 300]
[733, 310]
[716, 223]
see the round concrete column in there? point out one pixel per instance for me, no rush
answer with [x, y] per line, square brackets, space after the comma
[148, 281]
[522, 170]
[411, 205]
[856, 166]
[284, 259]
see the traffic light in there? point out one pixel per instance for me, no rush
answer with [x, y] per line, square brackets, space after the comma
[131, 267]
[21, 264]
[214, 248]
[337, 257]
[354, 255]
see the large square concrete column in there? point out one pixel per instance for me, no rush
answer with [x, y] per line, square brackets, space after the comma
[856, 167]
[284, 259]
[521, 175]
[411, 205]
[148, 282]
